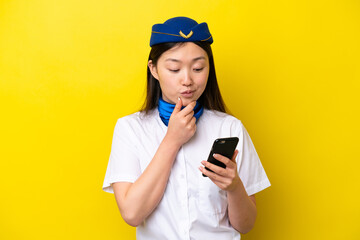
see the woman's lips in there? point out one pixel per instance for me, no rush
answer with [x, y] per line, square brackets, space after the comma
[188, 94]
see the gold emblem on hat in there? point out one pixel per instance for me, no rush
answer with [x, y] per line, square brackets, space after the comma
[186, 36]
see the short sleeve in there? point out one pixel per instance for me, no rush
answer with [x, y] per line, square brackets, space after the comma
[123, 165]
[250, 169]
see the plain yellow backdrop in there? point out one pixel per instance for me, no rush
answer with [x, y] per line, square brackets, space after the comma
[290, 70]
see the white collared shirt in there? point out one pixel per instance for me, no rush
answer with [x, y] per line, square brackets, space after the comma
[192, 207]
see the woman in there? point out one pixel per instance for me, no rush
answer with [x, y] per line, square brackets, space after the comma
[153, 168]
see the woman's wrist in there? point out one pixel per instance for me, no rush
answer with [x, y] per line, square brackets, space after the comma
[238, 187]
[170, 143]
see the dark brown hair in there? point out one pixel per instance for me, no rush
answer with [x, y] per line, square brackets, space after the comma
[211, 97]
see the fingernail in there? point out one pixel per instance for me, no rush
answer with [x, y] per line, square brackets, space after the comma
[214, 154]
[178, 98]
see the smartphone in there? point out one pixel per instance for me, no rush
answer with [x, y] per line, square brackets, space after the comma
[223, 146]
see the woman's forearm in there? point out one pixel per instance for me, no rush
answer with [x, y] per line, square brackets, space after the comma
[145, 193]
[137, 200]
[241, 209]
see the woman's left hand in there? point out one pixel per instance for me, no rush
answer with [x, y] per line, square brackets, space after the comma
[225, 178]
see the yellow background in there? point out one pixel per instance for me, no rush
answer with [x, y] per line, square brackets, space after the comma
[289, 70]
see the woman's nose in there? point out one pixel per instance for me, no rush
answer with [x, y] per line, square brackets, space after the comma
[186, 79]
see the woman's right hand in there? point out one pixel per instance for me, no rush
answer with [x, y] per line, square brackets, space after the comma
[182, 123]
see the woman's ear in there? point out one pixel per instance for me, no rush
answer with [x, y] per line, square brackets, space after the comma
[153, 70]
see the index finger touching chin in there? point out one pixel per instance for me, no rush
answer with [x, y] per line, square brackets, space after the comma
[189, 108]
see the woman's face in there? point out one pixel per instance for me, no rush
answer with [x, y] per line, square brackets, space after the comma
[182, 71]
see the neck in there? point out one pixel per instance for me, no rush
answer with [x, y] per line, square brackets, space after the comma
[166, 109]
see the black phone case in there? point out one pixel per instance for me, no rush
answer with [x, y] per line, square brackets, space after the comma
[223, 146]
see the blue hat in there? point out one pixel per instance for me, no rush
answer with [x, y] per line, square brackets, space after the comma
[180, 29]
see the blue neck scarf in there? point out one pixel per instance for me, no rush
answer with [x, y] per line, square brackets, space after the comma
[166, 109]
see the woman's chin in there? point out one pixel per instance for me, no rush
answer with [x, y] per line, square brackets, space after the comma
[186, 102]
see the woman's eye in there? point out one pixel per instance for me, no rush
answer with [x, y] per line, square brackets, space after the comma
[173, 70]
[198, 69]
